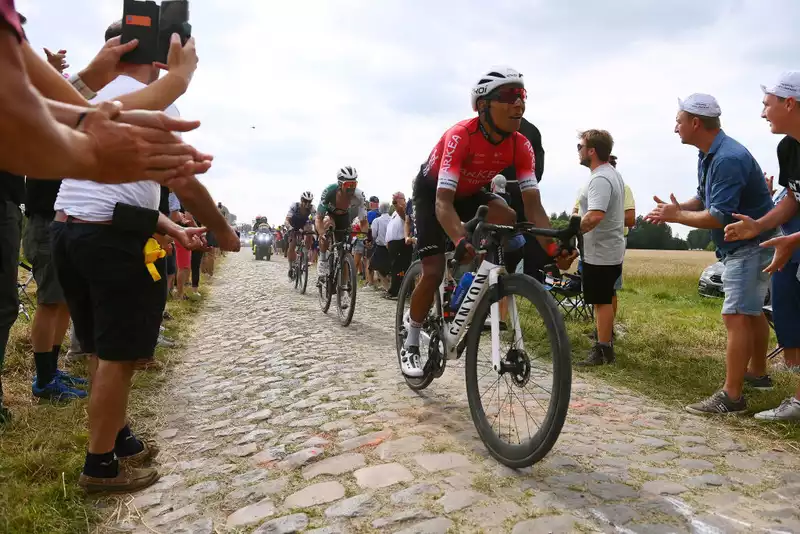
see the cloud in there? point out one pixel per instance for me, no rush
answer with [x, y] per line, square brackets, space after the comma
[374, 84]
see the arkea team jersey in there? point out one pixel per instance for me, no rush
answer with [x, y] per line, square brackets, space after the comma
[297, 218]
[327, 203]
[464, 161]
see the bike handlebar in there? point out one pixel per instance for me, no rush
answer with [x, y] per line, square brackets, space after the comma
[478, 224]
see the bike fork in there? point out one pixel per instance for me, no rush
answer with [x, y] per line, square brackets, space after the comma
[494, 277]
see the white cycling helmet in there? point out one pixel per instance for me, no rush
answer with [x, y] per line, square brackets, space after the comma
[346, 174]
[307, 196]
[496, 77]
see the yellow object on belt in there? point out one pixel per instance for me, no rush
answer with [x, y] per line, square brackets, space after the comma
[153, 252]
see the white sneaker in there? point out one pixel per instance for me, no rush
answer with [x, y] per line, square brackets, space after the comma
[789, 410]
[409, 362]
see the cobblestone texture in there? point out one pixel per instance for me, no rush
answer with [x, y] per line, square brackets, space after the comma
[273, 398]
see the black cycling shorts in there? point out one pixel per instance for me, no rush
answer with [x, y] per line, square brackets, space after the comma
[341, 226]
[431, 237]
[299, 223]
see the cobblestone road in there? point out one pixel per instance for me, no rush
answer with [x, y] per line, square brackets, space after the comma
[279, 420]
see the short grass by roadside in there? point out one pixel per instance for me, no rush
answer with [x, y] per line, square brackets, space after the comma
[42, 450]
[671, 341]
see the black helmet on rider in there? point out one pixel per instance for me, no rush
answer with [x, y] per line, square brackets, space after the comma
[505, 86]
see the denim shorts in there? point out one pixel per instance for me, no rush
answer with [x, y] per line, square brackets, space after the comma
[744, 281]
[786, 305]
[358, 246]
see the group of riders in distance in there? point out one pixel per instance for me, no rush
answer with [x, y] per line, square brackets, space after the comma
[454, 299]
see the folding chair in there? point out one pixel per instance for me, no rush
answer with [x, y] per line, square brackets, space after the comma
[25, 300]
[567, 290]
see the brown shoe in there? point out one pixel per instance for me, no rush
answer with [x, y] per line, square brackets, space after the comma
[149, 452]
[128, 480]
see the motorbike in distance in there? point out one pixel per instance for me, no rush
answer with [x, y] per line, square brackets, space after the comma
[262, 244]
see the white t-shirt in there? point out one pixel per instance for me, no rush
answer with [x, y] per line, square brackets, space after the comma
[93, 201]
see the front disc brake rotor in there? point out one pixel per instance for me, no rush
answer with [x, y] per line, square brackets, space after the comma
[518, 365]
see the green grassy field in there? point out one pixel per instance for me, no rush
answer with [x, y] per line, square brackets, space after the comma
[42, 451]
[671, 341]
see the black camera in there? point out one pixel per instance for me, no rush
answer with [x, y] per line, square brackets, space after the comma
[153, 26]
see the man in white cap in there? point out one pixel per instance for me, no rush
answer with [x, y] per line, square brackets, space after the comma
[782, 111]
[730, 182]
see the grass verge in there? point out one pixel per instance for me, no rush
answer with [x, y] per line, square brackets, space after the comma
[671, 343]
[42, 450]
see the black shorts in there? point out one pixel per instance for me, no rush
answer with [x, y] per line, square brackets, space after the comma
[380, 260]
[599, 281]
[115, 305]
[36, 243]
[431, 237]
[172, 264]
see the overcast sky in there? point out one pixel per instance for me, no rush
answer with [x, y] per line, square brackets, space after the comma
[288, 92]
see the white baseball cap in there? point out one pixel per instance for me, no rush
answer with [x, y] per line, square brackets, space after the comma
[787, 86]
[499, 183]
[700, 104]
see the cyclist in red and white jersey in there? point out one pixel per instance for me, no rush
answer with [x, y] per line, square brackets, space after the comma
[450, 187]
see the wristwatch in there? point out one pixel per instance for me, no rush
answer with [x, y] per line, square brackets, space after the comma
[78, 84]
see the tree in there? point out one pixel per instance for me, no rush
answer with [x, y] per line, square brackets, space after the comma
[563, 216]
[698, 239]
[646, 235]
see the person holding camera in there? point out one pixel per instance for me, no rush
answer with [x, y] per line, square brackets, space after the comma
[52, 131]
[105, 257]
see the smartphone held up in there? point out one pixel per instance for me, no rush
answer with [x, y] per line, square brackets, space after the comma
[153, 25]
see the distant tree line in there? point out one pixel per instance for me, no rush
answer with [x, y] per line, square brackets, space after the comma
[651, 236]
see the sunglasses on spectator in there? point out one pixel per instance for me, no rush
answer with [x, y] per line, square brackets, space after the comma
[509, 95]
[580, 147]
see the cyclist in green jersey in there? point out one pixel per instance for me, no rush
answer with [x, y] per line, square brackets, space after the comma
[339, 204]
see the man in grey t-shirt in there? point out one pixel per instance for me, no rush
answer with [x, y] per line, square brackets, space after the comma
[602, 210]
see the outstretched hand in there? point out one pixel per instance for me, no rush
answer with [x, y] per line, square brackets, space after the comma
[784, 248]
[664, 212]
[746, 228]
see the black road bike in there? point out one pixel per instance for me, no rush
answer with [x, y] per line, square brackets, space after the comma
[299, 272]
[341, 279]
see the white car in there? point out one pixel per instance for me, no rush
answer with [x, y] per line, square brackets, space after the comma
[710, 283]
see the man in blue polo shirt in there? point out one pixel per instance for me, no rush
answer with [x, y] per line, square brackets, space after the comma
[729, 181]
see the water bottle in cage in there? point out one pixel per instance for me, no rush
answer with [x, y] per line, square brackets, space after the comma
[461, 290]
